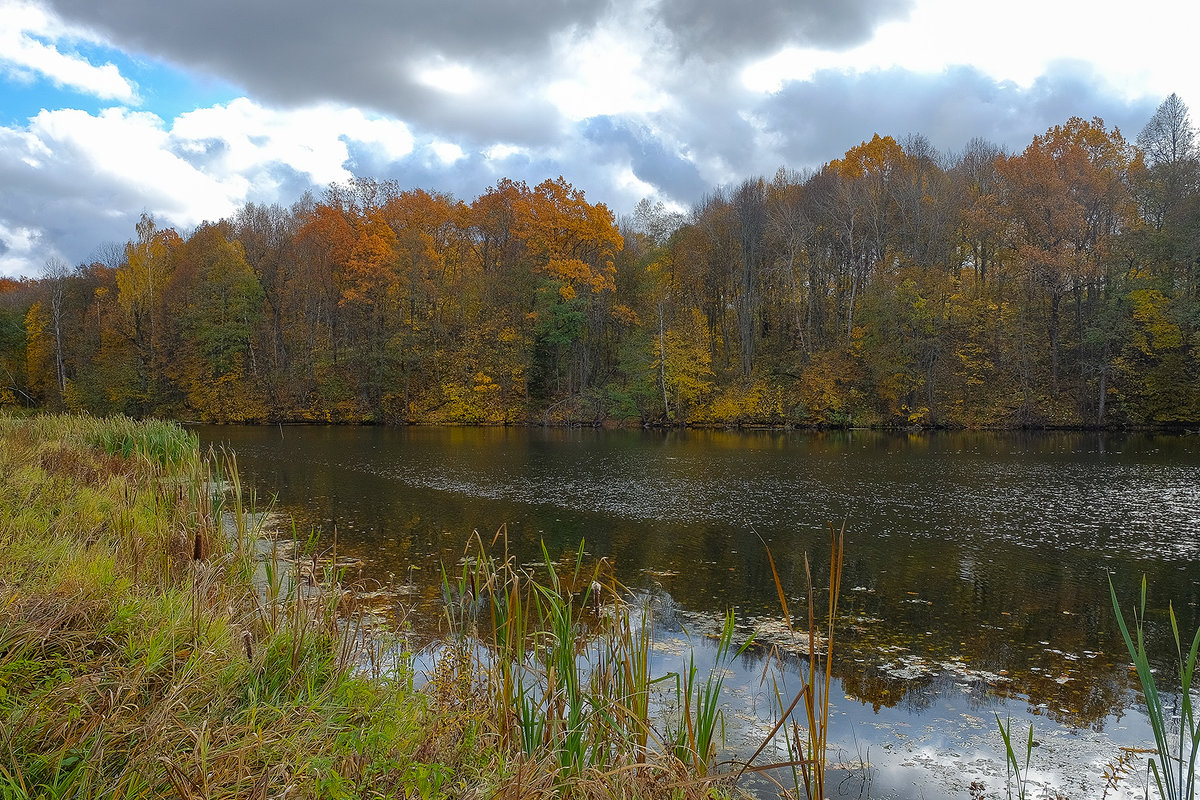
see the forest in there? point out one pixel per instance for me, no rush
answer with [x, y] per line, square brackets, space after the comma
[894, 286]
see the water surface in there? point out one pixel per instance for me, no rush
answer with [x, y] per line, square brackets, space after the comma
[976, 576]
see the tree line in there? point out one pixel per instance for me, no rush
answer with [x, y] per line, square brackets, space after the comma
[895, 285]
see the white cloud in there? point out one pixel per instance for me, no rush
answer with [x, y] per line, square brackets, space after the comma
[499, 152]
[1135, 53]
[633, 186]
[247, 137]
[132, 150]
[25, 54]
[390, 137]
[610, 70]
[446, 152]
[449, 77]
[20, 252]
[76, 179]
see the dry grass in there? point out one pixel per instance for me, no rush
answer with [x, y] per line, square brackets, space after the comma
[135, 659]
[140, 658]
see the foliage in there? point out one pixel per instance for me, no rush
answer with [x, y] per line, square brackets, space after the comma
[894, 286]
[1175, 769]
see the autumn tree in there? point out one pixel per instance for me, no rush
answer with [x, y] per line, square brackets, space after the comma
[570, 244]
[1066, 196]
[216, 302]
[132, 350]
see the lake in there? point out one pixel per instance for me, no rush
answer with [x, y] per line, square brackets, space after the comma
[975, 580]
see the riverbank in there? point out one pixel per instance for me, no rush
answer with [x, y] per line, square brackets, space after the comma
[711, 425]
[139, 659]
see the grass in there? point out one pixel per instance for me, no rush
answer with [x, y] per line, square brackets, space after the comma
[1174, 769]
[806, 745]
[145, 651]
[1016, 773]
[563, 659]
[137, 659]
[701, 721]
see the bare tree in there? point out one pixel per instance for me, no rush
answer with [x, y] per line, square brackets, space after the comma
[1173, 160]
[55, 274]
[655, 221]
[1168, 137]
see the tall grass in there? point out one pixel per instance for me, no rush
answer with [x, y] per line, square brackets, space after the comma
[806, 745]
[137, 657]
[1174, 769]
[564, 658]
[561, 689]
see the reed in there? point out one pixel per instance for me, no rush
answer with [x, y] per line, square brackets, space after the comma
[565, 660]
[702, 720]
[1016, 773]
[543, 656]
[1174, 769]
[806, 746]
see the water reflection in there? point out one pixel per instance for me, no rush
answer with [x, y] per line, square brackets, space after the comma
[987, 550]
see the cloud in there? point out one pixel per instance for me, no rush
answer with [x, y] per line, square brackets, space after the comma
[646, 156]
[814, 121]
[76, 179]
[24, 54]
[243, 137]
[717, 30]
[378, 56]
[18, 251]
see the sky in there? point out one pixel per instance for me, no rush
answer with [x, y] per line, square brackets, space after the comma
[188, 110]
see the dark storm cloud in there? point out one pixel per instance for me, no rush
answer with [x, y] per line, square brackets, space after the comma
[718, 29]
[818, 120]
[304, 51]
[369, 53]
[68, 213]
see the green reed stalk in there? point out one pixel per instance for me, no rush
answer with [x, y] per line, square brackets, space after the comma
[628, 674]
[703, 718]
[568, 708]
[807, 753]
[1014, 769]
[1175, 769]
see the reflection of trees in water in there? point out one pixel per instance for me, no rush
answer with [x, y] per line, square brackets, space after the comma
[940, 587]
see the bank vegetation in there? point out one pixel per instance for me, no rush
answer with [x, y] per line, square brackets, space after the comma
[894, 286]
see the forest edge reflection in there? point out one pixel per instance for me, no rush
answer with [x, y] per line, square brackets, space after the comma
[928, 601]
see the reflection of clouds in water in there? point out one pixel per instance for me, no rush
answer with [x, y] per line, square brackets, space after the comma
[703, 499]
[936, 746]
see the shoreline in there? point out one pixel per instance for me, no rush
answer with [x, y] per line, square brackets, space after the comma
[148, 650]
[1181, 429]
